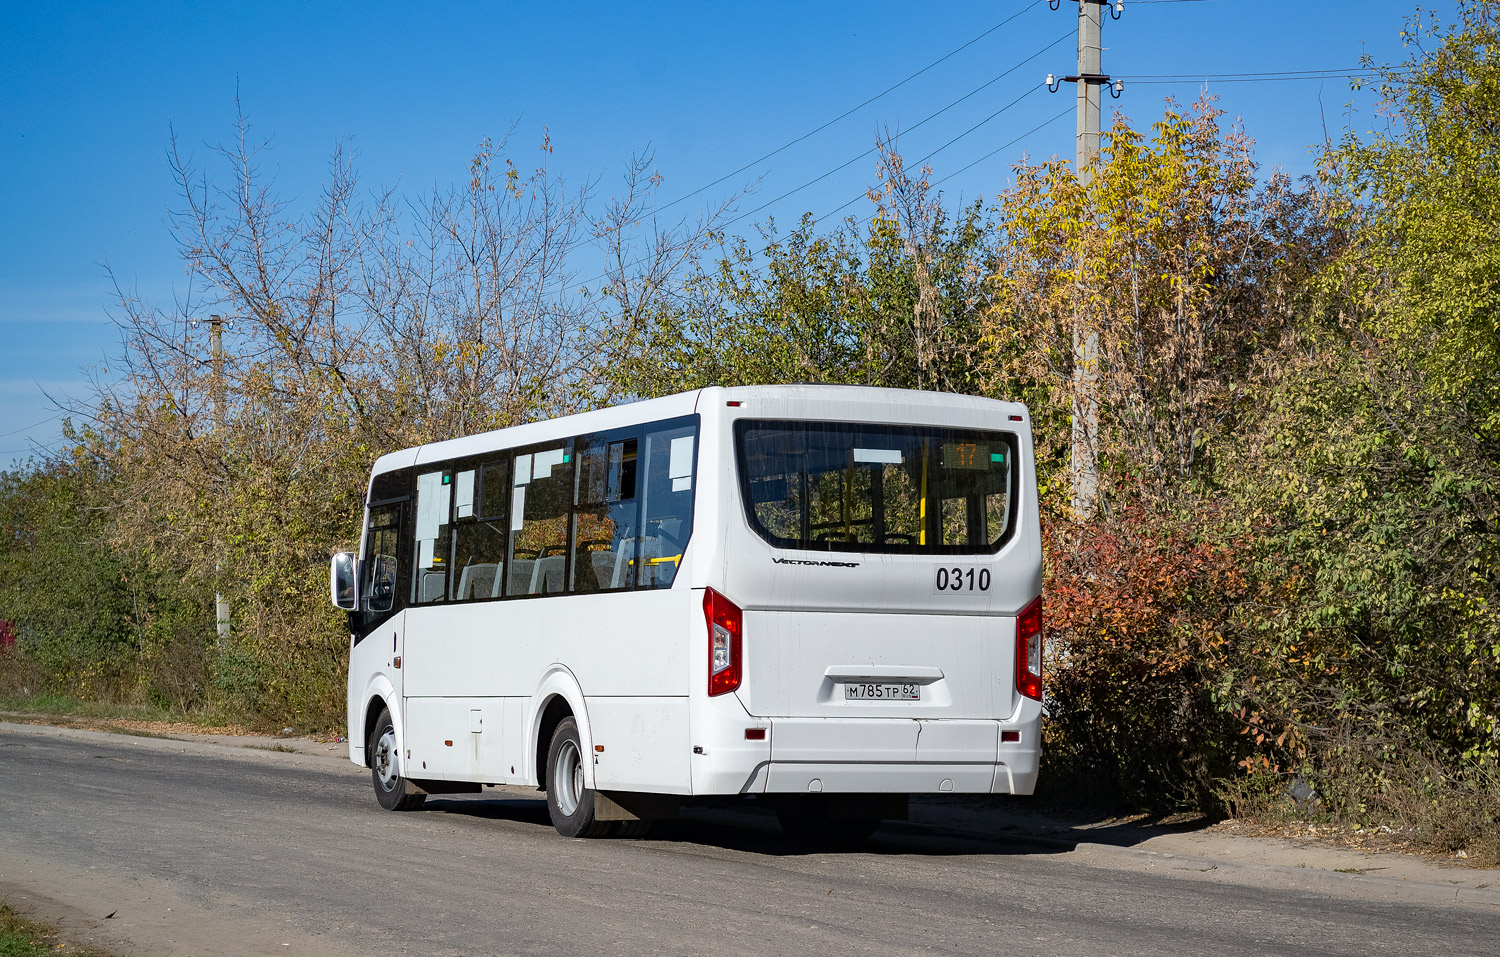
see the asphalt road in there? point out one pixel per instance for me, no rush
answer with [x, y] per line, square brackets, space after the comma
[209, 850]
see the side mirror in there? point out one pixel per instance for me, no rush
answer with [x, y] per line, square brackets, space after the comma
[341, 581]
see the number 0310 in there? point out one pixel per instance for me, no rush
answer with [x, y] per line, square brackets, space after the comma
[956, 579]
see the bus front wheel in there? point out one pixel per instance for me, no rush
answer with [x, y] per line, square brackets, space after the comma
[394, 792]
[569, 803]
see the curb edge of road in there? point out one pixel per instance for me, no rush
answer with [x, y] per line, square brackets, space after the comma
[1426, 890]
[257, 752]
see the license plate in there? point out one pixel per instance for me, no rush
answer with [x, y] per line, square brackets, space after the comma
[882, 692]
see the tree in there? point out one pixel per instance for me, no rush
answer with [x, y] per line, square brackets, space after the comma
[354, 328]
[1190, 273]
[1426, 190]
[1176, 258]
[1377, 466]
[893, 303]
[65, 594]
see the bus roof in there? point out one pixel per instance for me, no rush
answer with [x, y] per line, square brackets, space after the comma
[822, 398]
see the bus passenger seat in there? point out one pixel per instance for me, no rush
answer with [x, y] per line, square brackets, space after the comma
[520, 576]
[624, 552]
[547, 575]
[432, 586]
[603, 562]
[477, 581]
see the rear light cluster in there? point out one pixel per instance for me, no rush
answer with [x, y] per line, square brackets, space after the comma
[1029, 650]
[725, 659]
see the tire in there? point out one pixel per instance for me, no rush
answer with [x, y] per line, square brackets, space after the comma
[569, 803]
[817, 822]
[394, 792]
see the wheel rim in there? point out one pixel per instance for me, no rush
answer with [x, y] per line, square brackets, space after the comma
[567, 778]
[385, 760]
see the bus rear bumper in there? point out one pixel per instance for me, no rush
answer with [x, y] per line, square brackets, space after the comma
[788, 778]
[877, 756]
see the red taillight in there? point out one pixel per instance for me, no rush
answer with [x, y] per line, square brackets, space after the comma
[1029, 650]
[725, 622]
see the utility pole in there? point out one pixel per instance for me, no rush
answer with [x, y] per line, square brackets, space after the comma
[216, 355]
[1083, 464]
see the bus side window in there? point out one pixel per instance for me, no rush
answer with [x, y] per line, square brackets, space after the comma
[605, 542]
[540, 508]
[433, 532]
[479, 531]
[667, 509]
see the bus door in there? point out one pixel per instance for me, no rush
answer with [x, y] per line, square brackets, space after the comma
[379, 626]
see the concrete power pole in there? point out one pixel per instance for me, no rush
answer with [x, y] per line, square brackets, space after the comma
[1084, 462]
[216, 353]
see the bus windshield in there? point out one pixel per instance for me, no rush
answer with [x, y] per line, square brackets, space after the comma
[877, 488]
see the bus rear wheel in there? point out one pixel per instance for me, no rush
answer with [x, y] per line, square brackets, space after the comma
[394, 792]
[570, 803]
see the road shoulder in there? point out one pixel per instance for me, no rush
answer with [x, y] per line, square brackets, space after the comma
[1216, 855]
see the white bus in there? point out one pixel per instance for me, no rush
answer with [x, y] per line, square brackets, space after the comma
[821, 599]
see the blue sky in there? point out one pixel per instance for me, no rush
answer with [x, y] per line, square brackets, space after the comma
[89, 94]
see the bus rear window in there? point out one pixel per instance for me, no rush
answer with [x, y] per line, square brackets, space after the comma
[877, 488]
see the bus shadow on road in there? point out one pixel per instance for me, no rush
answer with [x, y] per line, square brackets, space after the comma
[520, 810]
[756, 831]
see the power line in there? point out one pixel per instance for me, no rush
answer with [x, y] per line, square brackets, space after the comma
[33, 425]
[1254, 79]
[964, 169]
[924, 120]
[931, 116]
[955, 139]
[1034, 129]
[33, 449]
[1333, 71]
[846, 113]
[1263, 76]
[914, 126]
[987, 119]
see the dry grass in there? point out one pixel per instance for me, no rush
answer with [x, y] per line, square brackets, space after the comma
[20, 937]
[1411, 808]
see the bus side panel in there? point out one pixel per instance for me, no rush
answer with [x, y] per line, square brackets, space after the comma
[630, 647]
[372, 668]
[645, 742]
[455, 739]
[726, 759]
[513, 761]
